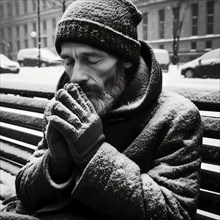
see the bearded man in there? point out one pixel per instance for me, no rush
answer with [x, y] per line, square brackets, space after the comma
[116, 146]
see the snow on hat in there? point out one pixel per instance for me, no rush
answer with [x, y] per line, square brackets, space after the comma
[110, 25]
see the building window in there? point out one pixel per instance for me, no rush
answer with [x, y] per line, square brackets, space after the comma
[145, 25]
[161, 24]
[210, 17]
[44, 26]
[193, 45]
[9, 33]
[194, 19]
[25, 36]
[208, 44]
[44, 39]
[17, 32]
[34, 29]
[34, 5]
[34, 26]
[10, 46]
[44, 4]
[18, 44]
[54, 23]
[35, 42]
[26, 43]
[161, 46]
[2, 39]
[25, 30]
[9, 9]
[1, 34]
[3, 48]
[1, 11]
[25, 6]
[16, 7]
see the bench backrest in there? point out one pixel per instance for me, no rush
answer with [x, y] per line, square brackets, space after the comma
[22, 123]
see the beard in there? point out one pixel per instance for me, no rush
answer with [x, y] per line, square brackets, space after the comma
[103, 98]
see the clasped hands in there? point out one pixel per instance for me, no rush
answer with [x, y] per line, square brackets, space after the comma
[74, 131]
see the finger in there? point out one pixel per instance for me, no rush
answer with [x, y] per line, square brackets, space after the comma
[65, 128]
[76, 91]
[69, 132]
[55, 140]
[65, 86]
[63, 112]
[47, 111]
[67, 100]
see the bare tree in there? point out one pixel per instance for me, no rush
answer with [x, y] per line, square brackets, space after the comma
[179, 12]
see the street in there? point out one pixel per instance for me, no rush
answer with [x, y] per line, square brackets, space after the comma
[174, 79]
[50, 75]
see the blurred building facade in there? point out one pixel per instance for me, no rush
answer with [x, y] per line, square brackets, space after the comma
[200, 29]
[200, 25]
[19, 26]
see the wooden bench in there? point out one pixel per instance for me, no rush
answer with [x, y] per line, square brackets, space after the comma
[21, 118]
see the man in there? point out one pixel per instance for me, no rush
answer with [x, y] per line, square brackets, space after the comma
[115, 146]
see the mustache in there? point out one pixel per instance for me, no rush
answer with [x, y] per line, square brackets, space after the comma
[88, 88]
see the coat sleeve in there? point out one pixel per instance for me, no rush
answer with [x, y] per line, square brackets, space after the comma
[116, 186]
[34, 184]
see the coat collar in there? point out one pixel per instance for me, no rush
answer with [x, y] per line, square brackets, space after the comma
[143, 88]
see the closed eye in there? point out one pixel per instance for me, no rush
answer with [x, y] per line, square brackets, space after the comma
[92, 60]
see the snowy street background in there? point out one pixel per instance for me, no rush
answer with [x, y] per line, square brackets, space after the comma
[50, 75]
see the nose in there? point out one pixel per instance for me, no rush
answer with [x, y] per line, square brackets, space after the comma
[78, 74]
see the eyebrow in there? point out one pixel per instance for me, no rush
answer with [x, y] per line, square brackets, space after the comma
[93, 52]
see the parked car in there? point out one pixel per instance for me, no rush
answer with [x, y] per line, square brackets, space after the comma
[205, 66]
[8, 66]
[162, 56]
[29, 57]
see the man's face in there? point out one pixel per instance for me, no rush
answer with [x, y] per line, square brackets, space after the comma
[100, 74]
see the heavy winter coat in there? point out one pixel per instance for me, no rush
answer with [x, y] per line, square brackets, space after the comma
[148, 168]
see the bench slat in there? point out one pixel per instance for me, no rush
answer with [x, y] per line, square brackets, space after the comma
[210, 180]
[9, 166]
[210, 154]
[202, 215]
[208, 100]
[23, 103]
[20, 135]
[209, 201]
[27, 92]
[22, 120]
[14, 152]
[207, 106]
[210, 134]
[211, 126]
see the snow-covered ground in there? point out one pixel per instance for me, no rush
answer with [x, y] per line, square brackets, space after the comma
[34, 75]
[50, 75]
[174, 79]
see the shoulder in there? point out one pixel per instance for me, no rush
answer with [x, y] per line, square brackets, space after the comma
[173, 106]
[172, 100]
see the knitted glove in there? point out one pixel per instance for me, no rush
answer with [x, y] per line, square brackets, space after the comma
[61, 162]
[75, 118]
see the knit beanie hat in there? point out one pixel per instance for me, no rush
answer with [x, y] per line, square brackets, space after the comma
[108, 25]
